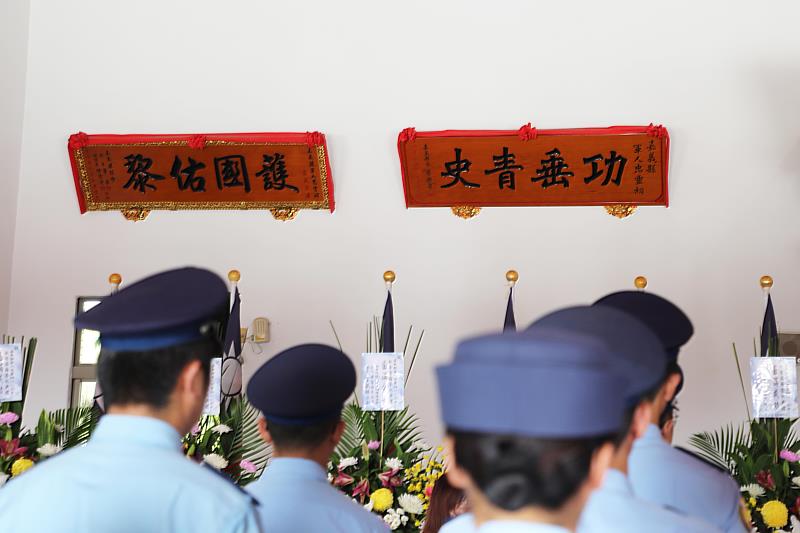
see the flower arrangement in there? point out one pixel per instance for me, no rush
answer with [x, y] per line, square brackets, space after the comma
[382, 465]
[381, 462]
[762, 455]
[229, 442]
[21, 448]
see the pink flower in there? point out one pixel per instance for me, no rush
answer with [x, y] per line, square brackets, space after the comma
[342, 479]
[389, 478]
[247, 466]
[195, 429]
[8, 418]
[11, 448]
[428, 490]
[361, 489]
[765, 479]
[374, 444]
[785, 454]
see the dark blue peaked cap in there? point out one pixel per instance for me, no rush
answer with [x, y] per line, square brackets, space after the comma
[545, 384]
[634, 350]
[303, 385]
[666, 319]
[163, 310]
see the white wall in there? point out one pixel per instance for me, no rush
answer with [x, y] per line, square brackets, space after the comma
[13, 60]
[721, 75]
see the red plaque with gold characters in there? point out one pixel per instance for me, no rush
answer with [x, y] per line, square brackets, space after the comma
[619, 167]
[135, 174]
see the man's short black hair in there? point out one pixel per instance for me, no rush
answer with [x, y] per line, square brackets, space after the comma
[149, 377]
[514, 472]
[304, 437]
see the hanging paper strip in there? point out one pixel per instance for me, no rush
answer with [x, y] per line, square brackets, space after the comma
[135, 174]
[530, 167]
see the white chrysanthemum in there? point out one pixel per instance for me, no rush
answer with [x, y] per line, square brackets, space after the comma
[395, 518]
[46, 450]
[3, 478]
[795, 524]
[368, 506]
[754, 490]
[348, 461]
[221, 428]
[394, 462]
[215, 460]
[410, 504]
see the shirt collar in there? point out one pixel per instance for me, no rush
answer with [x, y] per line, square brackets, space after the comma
[295, 468]
[137, 430]
[652, 433]
[617, 481]
[504, 526]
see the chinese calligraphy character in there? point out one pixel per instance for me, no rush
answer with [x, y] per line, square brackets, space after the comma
[611, 163]
[187, 178]
[553, 171]
[273, 172]
[453, 169]
[139, 169]
[504, 164]
[231, 172]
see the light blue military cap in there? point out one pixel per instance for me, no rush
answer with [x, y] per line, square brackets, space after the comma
[546, 384]
[634, 349]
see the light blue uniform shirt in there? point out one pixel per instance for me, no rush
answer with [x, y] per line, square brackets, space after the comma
[515, 526]
[296, 496]
[613, 507]
[130, 478]
[669, 477]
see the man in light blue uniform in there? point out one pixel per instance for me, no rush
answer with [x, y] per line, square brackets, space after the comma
[525, 468]
[639, 357]
[658, 472]
[157, 338]
[301, 392]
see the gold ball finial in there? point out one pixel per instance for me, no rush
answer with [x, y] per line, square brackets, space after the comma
[640, 282]
[389, 276]
[234, 276]
[765, 282]
[512, 276]
[115, 279]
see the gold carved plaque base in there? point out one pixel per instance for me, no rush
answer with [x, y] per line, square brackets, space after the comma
[620, 210]
[465, 211]
[284, 214]
[135, 214]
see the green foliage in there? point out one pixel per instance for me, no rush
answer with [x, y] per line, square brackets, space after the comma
[66, 427]
[242, 443]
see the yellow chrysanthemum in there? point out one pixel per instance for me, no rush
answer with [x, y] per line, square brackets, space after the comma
[775, 514]
[752, 502]
[20, 465]
[381, 500]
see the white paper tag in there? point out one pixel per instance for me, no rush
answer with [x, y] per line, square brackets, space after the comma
[774, 387]
[382, 387]
[10, 372]
[211, 405]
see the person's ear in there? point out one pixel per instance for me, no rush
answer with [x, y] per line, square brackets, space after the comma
[670, 386]
[668, 430]
[641, 419]
[457, 476]
[601, 460]
[193, 380]
[263, 431]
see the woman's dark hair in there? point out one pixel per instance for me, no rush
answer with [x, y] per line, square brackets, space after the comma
[149, 377]
[514, 472]
[445, 499]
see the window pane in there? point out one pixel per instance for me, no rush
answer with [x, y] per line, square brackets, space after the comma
[88, 304]
[89, 347]
[86, 393]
